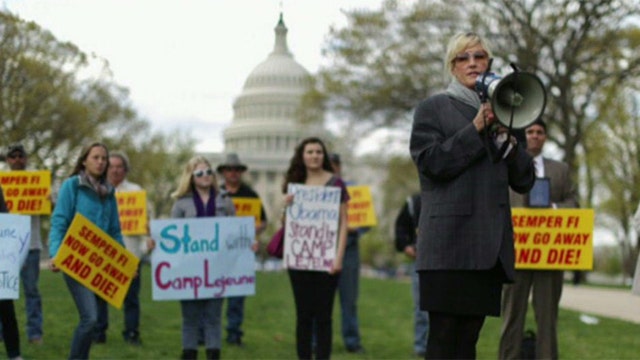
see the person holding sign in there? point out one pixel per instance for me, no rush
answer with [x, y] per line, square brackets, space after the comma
[117, 176]
[555, 189]
[16, 158]
[465, 236]
[88, 193]
[314, 291]
[198, 196]
[11, 335]
[232, 170]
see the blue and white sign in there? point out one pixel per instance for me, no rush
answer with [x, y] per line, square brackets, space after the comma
[15, 237]
[311, 229]
[202, 258]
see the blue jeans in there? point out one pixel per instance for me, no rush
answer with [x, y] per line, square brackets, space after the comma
[102, 321]
[206, 313]
[87, 306]
[131, 312]
[235, 315]
[348, 289]
[132, 309]
[29, 275]
[420, 318]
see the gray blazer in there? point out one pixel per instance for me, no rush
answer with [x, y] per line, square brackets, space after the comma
[563, 192]
[465, 222]
[185, 208]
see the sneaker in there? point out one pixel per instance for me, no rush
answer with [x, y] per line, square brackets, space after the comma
[132, 338]
[356, 349]
[135, 341]
[100, 339]
[36, 341]
[235, 341]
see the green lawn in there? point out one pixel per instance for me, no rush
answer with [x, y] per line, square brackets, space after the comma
[385, 324]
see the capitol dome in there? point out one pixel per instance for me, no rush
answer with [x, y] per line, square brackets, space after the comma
[265, 128]
[264, 121]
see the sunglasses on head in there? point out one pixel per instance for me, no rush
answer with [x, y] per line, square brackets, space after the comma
[201, 173]
[477, 56]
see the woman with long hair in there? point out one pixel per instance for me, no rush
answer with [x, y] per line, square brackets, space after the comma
[87, 192]
[314, 291]
[198, 195]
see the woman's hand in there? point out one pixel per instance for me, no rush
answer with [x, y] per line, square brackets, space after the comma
[485, 117]
[53, 266]
[336, 268]
[288, 199]
[151, 244]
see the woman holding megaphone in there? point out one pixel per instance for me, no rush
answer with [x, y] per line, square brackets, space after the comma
[465, 237]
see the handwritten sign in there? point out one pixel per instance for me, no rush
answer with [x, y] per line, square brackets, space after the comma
[27, 192]
[361, 212]
[202, 258]
[248, 207]
[94, 259]
[15, 236]
[553, 239]
[132, 210]
[311, 229]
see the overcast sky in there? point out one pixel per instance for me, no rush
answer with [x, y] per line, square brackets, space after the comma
[185, 61]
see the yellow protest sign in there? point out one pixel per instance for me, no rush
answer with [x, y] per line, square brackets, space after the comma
[97, 261]
[27, 192]
[132, 210]
[553, 239]
[361, 212]
[248, 207]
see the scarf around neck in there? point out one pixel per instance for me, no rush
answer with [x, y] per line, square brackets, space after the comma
[464, 94]
[202, 209]
[101, 188]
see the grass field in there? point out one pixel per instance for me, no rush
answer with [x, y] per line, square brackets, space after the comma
[385, 325]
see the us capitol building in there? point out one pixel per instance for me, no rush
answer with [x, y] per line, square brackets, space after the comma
[264, 130]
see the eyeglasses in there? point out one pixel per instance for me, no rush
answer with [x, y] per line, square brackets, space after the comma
[477, 56]
[201, 173]
[16, 156]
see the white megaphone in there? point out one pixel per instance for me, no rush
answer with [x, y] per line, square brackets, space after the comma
[517, 100]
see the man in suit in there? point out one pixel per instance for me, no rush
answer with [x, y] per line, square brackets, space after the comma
[546, 284]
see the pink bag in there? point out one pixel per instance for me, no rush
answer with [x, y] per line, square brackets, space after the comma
[275, 247]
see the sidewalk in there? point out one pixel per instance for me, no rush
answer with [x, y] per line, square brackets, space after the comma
[611, 303]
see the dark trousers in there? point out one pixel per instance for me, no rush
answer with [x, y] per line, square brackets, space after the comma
[10, 327]
[313, 292]
[453, 336]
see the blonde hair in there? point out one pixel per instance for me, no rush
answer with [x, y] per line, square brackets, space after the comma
[185, 183]
[462, 41]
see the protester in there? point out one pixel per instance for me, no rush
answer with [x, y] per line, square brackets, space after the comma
[117, 176]
[465, 236]
[546, 284]
[8, 313]
[87, 192]
[349, 282]
[232, 170]
[16, 158]
[406, 229]
[314, 291]
[198, 195]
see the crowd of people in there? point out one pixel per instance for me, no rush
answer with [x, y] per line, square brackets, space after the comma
[457, 233]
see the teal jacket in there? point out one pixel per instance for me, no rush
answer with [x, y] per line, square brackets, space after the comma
[77, 195]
